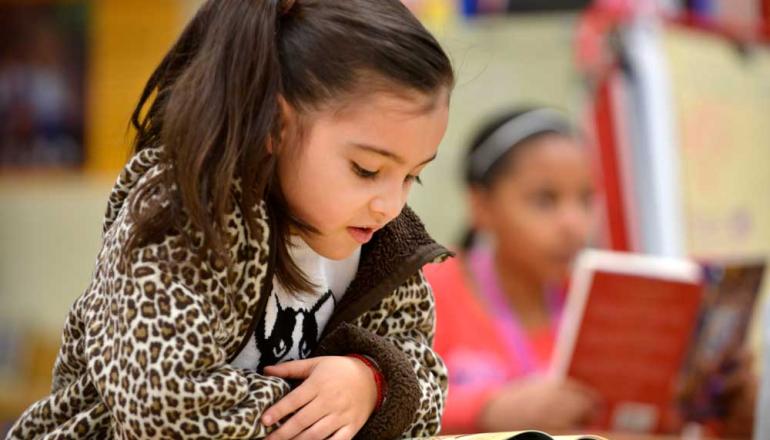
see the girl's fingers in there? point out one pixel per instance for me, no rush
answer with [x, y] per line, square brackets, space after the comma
[293, 369]
[297, 423]
[584, 390]
[345, 433]
[323, 428]
[734, 381]
[582, 402]
[290, 403]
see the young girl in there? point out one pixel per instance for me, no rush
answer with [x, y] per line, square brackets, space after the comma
[260, 275]
[499, 304]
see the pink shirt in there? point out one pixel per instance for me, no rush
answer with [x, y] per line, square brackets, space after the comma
[479, 337]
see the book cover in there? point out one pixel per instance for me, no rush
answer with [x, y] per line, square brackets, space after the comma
[517, 435]
[762, 424]
[730, 294]
[627, 326]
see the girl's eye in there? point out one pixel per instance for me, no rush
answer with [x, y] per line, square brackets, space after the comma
[361, 172]
[416, 179]
[545, 199]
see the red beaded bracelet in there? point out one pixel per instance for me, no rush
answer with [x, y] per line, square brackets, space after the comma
[379, 380]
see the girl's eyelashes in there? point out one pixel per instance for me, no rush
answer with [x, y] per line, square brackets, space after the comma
[545, 199]
[366, 174]
[415, 179]
[362, 172]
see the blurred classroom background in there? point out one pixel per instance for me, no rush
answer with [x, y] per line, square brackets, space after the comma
[673, 96]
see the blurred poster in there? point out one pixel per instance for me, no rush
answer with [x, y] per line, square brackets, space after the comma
[42, 76]
[474, 7]
[721, 96]
[434, 13]
[728, 12]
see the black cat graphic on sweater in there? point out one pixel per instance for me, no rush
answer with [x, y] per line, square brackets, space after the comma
[290, 332]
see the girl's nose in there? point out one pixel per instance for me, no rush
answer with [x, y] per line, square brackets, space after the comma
[387, 206]
[576, 221]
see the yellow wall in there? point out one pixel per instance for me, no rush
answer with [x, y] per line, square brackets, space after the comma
[127, 40]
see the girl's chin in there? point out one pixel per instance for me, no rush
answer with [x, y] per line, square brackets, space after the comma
[333, 249]
[557, 274]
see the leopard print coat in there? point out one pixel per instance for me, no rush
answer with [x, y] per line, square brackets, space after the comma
[146, 349]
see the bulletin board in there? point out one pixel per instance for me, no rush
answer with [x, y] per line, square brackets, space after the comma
[721, 97]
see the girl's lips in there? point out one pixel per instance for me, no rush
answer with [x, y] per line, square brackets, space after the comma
[361, 235]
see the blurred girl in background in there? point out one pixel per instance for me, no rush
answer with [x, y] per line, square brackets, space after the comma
[499, 303]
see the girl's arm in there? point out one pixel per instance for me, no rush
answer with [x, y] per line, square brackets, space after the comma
[160, 370]
[154, 370]
[157, 323]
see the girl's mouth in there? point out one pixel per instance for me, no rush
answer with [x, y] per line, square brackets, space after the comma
[361, 235]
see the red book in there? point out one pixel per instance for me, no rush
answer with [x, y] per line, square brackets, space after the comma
[627, 326]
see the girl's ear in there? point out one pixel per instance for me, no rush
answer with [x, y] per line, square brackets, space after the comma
[478, 201]
[287, 117]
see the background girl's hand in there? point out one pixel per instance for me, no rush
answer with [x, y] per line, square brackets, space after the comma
[739, 395]
[335, 399]
[540, 403]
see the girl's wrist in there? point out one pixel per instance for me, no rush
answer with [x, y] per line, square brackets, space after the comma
[379, 379]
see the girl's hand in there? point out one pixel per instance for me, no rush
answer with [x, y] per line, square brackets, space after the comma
[739, 396]
[540, 403]
[335, 399]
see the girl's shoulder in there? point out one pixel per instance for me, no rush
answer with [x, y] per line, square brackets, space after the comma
[142, 166]
[245, 236]
[170, 269]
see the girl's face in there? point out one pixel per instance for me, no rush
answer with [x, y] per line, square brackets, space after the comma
[354, 168]
[540, 210]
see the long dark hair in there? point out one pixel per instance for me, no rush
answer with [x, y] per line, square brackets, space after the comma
[213, 104]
